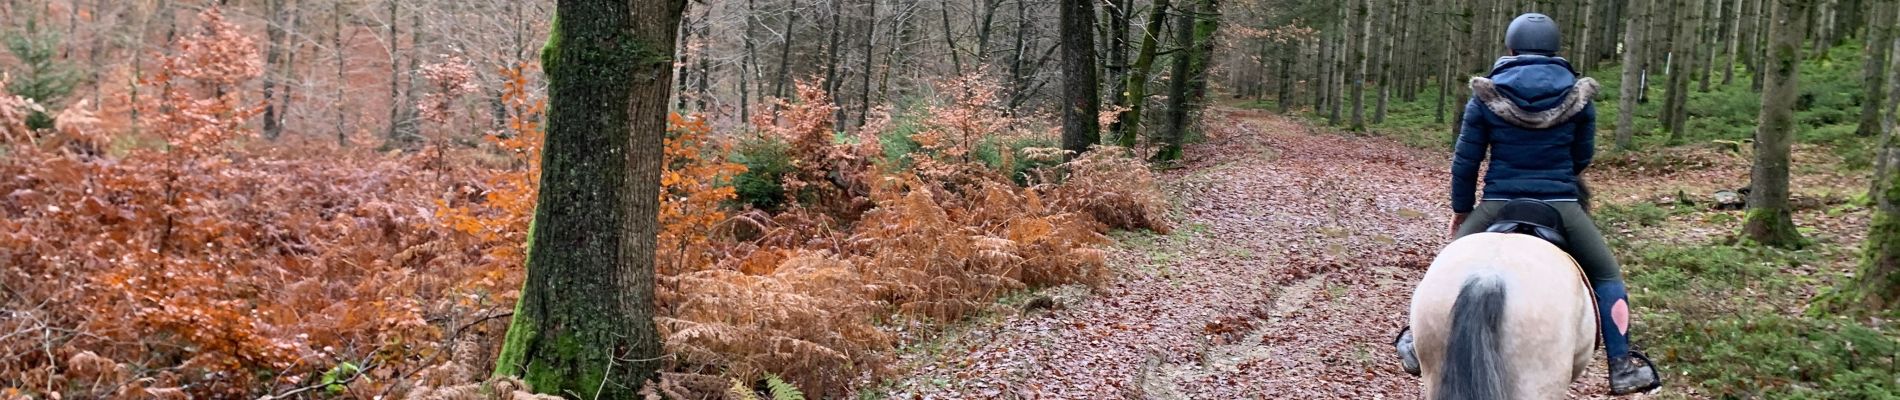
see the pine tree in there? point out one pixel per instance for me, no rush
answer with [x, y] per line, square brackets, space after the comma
[41, 77]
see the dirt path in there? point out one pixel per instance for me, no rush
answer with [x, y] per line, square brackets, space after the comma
[1289, 273]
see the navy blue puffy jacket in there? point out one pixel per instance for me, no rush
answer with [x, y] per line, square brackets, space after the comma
[1536, 121]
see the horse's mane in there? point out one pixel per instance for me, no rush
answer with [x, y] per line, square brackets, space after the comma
[1474, 367]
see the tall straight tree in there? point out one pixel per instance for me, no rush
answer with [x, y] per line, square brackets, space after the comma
[1874, 68]
[584, 324]
[1682, 58]
[1770, 220]
[1361, 30]
[1633, 59]
[1082, 102]
[1735, 24]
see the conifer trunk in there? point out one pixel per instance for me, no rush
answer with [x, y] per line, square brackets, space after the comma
[1682, 67]
[1633, 60]
[584, 324]
[1770, 219]
[1874, 69]
[1361, 39]
[1081, 109]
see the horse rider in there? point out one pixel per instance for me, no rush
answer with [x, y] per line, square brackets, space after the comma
[1535, 118]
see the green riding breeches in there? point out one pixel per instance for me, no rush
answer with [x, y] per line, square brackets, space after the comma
[1586, 241]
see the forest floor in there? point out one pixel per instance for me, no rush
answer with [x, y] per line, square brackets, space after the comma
[1287, 276]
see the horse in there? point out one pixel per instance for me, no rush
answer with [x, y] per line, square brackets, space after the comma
[1503, 316]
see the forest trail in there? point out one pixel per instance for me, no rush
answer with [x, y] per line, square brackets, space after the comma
[1287, 276]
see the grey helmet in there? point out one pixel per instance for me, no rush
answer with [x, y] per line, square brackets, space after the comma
[1533, 33]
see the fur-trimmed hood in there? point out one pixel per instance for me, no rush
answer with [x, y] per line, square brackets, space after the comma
[1514, 111]
[1534, 92]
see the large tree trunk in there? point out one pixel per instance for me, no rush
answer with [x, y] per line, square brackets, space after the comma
[1081, 108]
[1874, 68]
[1633, 60]
[584, 324]
[1770, 219]
[1136, 86]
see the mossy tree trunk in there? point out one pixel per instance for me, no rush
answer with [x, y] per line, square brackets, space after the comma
[1195, 37]
[1770, 219]
[584, 325]
[1633, 59]
[1877, 286]
[1081, 108]
[1135, 88]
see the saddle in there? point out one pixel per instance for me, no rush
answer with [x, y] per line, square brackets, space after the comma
[1531, 217]
[1540, 220]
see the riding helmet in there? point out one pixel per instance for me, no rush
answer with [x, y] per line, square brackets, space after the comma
[1533, 33]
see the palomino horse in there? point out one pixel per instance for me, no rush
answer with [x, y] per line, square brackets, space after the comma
[1502, 316]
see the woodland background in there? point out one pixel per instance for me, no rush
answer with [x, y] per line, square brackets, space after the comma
[332, 197]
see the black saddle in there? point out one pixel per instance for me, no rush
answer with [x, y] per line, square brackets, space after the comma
[1531, 217]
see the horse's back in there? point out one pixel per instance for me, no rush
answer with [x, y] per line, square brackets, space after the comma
[1549, 323]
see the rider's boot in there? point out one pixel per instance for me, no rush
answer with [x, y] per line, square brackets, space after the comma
[1630, 371]
[1408, 352]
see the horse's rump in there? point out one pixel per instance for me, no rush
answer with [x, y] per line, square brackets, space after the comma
[1544, 318]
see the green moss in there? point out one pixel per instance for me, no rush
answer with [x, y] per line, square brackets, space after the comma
[1772, 228]
[520, 326]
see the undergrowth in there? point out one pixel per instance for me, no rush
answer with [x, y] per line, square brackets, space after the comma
[1733, 321]
[206, 263]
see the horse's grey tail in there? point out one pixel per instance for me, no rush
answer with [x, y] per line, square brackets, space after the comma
[1474, 367]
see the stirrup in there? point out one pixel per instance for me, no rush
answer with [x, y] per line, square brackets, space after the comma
[1408, 351]
[1654, 375]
